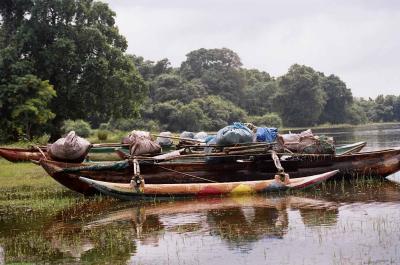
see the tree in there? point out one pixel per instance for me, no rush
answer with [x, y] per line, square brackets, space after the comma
[199, 61]
[166, 87]
[218, 70]
[77, 47]
[148, 69]
[384, 108]
[300, 99]
[396, 109]
[356, 113]
[338, 100]
[257, 99]
[24, 106]
[219, 112]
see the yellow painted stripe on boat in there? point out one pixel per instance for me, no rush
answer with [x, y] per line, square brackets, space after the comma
[242, 188]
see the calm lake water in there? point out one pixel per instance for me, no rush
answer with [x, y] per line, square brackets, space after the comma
[353, 222]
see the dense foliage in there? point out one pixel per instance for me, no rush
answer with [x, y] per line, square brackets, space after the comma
[74, 47]
[65, 60]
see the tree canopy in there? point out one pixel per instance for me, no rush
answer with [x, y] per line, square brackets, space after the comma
[75, 45]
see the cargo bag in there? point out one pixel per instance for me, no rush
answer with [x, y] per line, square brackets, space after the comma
[72, 148]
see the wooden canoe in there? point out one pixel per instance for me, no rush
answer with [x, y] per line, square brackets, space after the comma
[22, 154]
[28, 154]
[380, 163]
[349, 148]
[126, 191]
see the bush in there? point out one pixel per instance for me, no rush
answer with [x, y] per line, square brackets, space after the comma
[104, 126]
[41, 140]
[267, 120]
[81, 127]
[122, 124]
[102, 135]
[134, 124]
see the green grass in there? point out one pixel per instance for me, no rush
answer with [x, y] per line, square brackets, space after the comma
[26, 186]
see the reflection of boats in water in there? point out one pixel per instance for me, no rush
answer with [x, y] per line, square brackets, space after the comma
[236, 220]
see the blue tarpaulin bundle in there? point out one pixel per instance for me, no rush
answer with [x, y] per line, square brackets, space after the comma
[234, 134]
[265, 134]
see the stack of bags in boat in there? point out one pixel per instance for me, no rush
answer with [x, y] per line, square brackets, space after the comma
[307, 143]
[141, 143]
[70, 148]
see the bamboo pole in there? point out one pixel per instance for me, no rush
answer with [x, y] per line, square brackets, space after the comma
[178, 138]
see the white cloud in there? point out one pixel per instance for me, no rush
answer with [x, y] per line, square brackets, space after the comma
[357, 41]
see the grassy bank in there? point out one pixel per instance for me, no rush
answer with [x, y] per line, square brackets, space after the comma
[27, 187]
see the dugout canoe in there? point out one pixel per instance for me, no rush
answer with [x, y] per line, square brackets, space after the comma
[380, 163]
[349, 148]
[33, 153]
[129, 191]
[23, 154]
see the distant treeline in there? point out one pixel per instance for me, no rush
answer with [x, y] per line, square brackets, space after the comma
[65, 60]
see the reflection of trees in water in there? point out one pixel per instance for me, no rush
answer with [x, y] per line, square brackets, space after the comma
[108, 235]
[110, 244]
[236, 226]
[317, 217]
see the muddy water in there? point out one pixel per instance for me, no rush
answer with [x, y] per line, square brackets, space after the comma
[353, 222]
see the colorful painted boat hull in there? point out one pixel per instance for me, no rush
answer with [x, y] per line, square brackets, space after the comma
[128, 192]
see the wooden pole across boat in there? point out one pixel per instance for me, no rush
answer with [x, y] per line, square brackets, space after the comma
[179, 138]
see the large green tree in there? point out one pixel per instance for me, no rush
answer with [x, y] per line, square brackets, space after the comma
[258, 92]
[338, 100]
[218, 70]
[301, 98]
[77, 47]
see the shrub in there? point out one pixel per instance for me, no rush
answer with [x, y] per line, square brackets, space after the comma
[135, 124]
[81, 127]
[104, 126]
[41, 140]
[102, 135]
[122, 124]
[268, 120]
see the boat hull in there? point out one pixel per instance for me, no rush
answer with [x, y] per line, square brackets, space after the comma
[350, 148]
[127, 192]
[22, 154]
[29, 154]
[380, 164]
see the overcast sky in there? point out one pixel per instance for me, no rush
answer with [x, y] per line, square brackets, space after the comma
[359, 41]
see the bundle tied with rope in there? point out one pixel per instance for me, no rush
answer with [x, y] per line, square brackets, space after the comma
[307, 143]
[71, 148]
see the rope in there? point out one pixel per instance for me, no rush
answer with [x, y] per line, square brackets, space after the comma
[40, 150]
[178, 172]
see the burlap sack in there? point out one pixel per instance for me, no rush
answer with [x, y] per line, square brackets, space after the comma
[72, 148]
[131, 136]
[142, 145]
